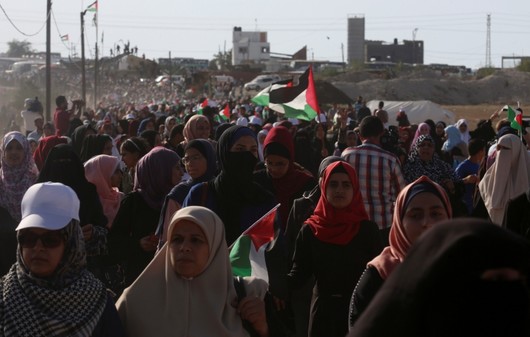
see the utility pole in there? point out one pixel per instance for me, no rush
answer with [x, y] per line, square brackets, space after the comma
[170, 73]
[414, 32]
[96, 65]
[83, 70]
[48, 61]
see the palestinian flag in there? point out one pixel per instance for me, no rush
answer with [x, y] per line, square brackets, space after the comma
[247, 253]
[202, 105]
[297, 101]
[93, 7]
[262, 98]
[515, 116]
[64, 37]
[225, 113]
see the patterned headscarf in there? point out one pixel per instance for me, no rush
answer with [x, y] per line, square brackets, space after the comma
[436, 169]
[68, 303]
[14, 181]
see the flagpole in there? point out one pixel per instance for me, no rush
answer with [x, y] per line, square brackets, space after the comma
[48, 61]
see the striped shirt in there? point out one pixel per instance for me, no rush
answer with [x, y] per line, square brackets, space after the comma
[380, 180]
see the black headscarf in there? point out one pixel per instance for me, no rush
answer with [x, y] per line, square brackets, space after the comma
[64, 166]
[93, 145]
[440, 289]
[234, 187]
[78, 135]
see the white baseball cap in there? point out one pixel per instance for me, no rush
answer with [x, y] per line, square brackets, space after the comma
[49, 205]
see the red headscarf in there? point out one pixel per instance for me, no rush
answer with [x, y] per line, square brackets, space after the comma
[44, 148]
[338, 226]
[400, 244]
[291, 184]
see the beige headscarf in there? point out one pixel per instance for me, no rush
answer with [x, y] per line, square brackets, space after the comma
[161, 303]
[507, 178]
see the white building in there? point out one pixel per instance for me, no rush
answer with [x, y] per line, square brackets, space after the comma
[249, 47]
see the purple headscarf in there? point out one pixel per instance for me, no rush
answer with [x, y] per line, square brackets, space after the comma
[153, 175]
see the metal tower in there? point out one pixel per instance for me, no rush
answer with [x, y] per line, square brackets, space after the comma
[488, 42]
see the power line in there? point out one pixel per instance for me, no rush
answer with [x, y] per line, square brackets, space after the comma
[20, 31]
[58, 31]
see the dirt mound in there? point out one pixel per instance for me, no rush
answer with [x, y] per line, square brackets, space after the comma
[502, 87]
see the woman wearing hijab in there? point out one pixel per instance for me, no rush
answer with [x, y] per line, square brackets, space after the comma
[132, 150]
[282, 177]
[463, 129]
[423, 161]
[49, 291]
[197, 127]
[176, 136]
[302, 209]
[104, 172]
[63, 166]
[334, 246]
[464, 277]
[234, 195]
[17, 172]
[44, 147]
[188, 288]
[454, 150]
[94, 145]
[79, 135]
[423, 129]
[419, 206]
[262, 134]
[507, 178]
[169, 124]
[146, 124]
[131, 239]
[201, 165]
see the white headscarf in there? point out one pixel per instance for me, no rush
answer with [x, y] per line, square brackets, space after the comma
[162, 303]
[507, 178]
[465, 136]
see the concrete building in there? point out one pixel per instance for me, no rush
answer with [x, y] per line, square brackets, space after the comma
[249, 48]
[361, 50]
[408, 52]
[356, 39]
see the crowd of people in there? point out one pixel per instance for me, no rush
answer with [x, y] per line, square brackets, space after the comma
[120, 221]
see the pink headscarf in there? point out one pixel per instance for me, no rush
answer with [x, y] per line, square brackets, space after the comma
[98, 171]
[400, 244]
[190, 127]
[423, 129]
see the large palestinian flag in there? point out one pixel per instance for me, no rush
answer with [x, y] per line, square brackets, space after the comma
[298, 101]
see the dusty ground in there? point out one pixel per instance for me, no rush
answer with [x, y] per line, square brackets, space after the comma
[473, 113]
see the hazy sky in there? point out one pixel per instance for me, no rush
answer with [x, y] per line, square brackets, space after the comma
[454, 32]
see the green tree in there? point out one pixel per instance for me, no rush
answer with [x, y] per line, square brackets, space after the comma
[222, 61]
[18, 48]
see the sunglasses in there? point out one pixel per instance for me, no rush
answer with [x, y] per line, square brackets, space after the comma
[51, 239]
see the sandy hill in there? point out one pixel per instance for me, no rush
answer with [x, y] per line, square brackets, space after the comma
[503, 86]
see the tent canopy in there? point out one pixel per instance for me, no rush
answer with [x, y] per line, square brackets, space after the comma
[417, 111]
